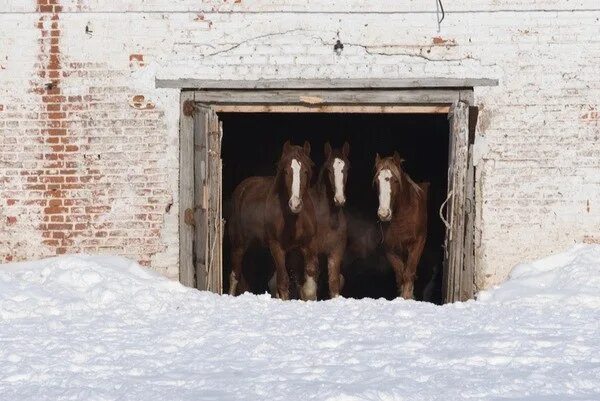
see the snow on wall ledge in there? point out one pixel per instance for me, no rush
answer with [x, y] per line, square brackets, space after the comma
[89, 145]
[94, 327]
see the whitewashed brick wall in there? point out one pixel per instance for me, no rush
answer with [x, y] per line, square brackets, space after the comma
[90, 163]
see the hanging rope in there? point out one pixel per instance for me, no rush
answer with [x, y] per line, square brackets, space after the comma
[439, 8]
[446, 222]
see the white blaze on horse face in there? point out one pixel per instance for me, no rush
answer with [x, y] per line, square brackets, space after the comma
[295, 198]
[338, 177]
[385, 191]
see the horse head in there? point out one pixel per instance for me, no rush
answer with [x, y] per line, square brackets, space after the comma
[295, 168]
[388, 179]
[336, 167]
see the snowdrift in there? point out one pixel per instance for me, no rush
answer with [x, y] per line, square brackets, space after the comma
[572, 277]
[103, 328]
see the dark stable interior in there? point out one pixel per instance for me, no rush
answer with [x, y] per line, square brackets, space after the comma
[252, 144]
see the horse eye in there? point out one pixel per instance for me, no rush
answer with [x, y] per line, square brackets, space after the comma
[388, 179]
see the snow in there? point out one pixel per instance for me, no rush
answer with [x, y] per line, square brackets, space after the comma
[103, 328]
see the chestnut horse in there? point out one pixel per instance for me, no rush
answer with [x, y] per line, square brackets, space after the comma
[329, 197]
[403, 215]
[277, 212]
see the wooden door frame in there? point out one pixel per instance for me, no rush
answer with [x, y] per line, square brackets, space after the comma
[433, 95]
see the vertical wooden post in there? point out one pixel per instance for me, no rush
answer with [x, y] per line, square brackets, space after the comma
[214, 204]
[201, 120]
[457, 190]
[186, 190]
[468, 268]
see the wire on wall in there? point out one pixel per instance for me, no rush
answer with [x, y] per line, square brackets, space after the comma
[439, 8]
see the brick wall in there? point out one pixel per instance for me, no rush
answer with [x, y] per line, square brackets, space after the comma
[88, 146]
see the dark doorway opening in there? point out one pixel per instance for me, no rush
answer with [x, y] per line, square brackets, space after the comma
[252, 144]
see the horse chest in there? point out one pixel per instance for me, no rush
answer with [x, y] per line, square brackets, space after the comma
[331, 233]
[295, 232]
[397, 236]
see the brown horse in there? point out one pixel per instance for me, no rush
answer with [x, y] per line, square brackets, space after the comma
[329, 196]
[277, 212]
[403, 213]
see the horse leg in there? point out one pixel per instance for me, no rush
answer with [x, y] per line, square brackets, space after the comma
[308, 291]
[273, 285]
[281, 275]
[237, 255]
[333, 270]
[410, 271]
[398, 266]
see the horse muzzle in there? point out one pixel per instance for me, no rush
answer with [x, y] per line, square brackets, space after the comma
[384, 215]
[295, 205]
[339, 201]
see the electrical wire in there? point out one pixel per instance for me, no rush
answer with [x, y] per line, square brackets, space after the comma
[439, 7]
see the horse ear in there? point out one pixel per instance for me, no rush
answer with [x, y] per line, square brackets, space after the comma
[327, 150]
[397, 159]
[307, 148]
[286, 146]
[377, 158]
[346, 149]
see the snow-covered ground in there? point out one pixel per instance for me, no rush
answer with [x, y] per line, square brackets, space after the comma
[102, 328]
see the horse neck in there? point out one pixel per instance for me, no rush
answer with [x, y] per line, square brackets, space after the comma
[405, 194]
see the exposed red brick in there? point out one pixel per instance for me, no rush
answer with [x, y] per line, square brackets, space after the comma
[76, 163]
[97, 209]
[438, 41]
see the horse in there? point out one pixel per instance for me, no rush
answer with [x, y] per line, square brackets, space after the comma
[278, 213]
[402, 214]
[329, 197]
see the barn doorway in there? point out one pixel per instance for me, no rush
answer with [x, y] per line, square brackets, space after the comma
[328, 107]
[252, 143]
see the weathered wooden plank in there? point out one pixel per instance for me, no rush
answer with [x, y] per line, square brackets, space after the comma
[260, 108]
[186, 193]
[320, 97]
[467, 96]
[455, 234]
[468, 268]
[201, 228]
[214, 184]
[406, 83]
[221, 222]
